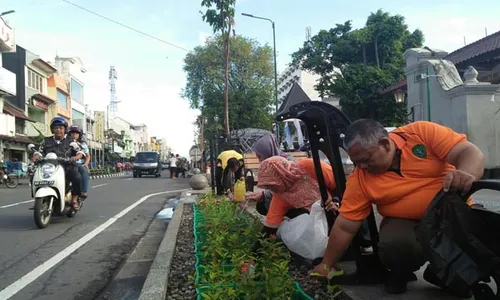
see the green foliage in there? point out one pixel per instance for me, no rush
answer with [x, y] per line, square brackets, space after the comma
[250, 82]
[355, 65]
[218, 13]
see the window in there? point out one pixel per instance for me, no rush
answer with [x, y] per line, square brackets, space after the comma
[76, 115]
[62, 100]
[35, 81]
[76, 91]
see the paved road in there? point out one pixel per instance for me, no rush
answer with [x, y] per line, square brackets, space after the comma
[37, 264]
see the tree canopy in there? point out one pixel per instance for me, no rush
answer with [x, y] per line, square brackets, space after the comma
[355, 64]
[250, 82]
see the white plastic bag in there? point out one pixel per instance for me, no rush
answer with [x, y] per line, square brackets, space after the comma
[307, 234]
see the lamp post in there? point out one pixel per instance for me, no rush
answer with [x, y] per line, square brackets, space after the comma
[275, 69]
[399, 96]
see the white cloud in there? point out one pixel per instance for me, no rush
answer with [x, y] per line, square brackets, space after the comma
[203, 37]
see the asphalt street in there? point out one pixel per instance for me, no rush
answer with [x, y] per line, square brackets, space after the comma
[75, 258]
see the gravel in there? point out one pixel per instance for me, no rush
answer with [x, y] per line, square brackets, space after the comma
[180, 285]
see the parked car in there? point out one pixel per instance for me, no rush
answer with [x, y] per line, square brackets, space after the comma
[165, 165]
[147, 163]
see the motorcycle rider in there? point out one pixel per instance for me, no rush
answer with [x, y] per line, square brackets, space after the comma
[83, 164]
[60, 145]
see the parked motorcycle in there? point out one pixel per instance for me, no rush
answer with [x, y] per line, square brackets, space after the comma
[51, 190]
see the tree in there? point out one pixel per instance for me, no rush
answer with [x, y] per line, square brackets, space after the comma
[221, 18]
[354, 65]
[250, 83]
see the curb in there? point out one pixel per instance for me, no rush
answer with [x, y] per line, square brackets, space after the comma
[156, 284]
[110, 175]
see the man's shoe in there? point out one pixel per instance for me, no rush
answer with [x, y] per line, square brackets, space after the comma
[83, 195]
[431, 277]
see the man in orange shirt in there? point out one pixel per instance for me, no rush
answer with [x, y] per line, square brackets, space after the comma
[400, 172]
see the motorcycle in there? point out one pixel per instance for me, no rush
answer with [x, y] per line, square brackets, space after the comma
[10, 180]
[51, 190]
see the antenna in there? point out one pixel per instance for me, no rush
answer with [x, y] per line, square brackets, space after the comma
[113, 102]
[486, 31]
[465, 42]
[308, 33]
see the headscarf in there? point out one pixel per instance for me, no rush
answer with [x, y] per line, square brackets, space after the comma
[267, 147]
[301, 191]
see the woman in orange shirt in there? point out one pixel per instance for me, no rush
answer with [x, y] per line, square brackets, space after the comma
[295, 188]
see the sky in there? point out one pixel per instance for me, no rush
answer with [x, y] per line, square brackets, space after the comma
[150, 74]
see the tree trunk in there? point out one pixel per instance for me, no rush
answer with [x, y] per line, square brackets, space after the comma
[376, 52]
[226, 88]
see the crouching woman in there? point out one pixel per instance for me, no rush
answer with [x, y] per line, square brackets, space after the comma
[295, 189]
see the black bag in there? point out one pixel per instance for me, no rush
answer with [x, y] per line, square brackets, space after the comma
[461, 243]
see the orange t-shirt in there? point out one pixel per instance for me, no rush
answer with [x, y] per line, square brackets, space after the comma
[279, 207]
[424, 147]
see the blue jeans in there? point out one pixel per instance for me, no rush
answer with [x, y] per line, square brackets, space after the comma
[84, 172]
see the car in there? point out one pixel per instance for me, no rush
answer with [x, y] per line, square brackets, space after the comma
[147, 163]
[165, 165]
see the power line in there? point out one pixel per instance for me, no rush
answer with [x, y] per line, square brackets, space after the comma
[126, 26]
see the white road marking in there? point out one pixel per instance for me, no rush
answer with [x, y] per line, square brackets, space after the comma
[22, 282]
[128, 179]
[16, 204]
[99, 185]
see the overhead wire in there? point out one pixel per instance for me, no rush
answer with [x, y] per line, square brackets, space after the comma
[126, 26]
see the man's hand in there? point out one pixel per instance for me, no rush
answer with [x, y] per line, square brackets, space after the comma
[74, 158]
[458, 181]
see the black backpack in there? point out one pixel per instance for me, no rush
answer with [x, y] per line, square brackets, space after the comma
[462, 244]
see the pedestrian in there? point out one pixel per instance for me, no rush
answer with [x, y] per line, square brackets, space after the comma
[173, 166]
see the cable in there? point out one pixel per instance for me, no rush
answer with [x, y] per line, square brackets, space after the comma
[126, 26]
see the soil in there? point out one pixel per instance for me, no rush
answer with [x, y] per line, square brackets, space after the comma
[311, 286]
[180, 285]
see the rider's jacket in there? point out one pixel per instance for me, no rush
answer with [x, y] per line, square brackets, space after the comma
[60, 148]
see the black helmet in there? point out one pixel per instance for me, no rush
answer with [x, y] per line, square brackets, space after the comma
[58, 121]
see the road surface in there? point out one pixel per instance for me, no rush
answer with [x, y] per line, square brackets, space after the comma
[75, 258]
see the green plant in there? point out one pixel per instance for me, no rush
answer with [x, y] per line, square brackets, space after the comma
[226, 266]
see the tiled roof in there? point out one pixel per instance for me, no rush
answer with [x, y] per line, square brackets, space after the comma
[485, 45]
[17, 139]
[480, 47]
[11, 110]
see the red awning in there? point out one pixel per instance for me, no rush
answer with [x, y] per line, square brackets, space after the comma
[11, 110]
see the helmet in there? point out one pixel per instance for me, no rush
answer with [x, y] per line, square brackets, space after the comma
[58, 121]
[75, 128]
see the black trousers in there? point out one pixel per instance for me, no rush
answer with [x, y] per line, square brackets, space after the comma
[399, 250]
[73, 176]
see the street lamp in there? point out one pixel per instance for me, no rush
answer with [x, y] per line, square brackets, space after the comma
[399, 96]
[7, 12]
[275, 69]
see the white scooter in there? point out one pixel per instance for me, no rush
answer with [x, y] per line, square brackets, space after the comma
[51, 191]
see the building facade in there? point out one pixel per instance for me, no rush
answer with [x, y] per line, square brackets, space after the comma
[305, 79]
[8, 89]
[140, 138]
[32, 104]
